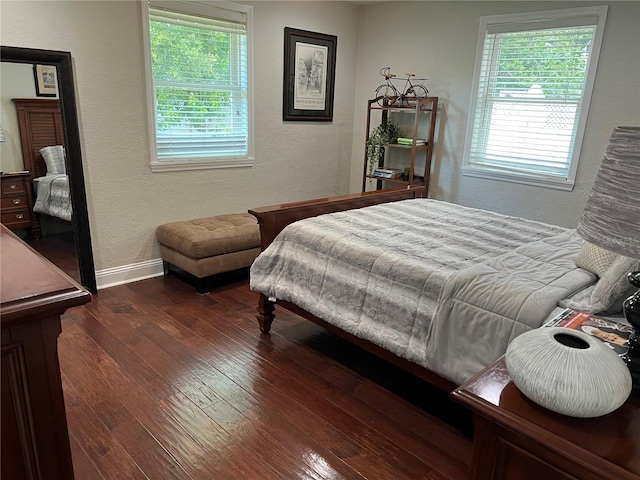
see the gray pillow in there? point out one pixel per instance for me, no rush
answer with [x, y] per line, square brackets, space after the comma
[54, 159]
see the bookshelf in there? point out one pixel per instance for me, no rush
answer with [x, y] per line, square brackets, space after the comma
[417, 121]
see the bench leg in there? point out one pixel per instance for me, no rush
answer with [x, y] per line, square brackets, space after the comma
[203, 285]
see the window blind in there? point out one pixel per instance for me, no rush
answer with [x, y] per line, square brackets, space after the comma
[200, 81]
[531, 87]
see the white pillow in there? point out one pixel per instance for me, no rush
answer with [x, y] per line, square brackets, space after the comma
[54, 159]
[595, 259]
[613, 286]
[607, 295]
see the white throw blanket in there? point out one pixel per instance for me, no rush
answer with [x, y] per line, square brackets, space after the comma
[378, 272]
[52, 196]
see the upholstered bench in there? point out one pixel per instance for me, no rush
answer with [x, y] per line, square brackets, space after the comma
[207, 247]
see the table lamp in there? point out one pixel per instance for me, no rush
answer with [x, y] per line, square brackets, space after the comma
[611, 220]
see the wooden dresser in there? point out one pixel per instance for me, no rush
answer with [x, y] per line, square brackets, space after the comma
[517, 439]
[17, 203]
[33, 293]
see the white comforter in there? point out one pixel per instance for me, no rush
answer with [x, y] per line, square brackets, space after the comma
[52, 196]
[384, 273]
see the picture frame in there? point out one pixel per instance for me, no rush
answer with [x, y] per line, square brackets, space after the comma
[309, 75]
[46, 80]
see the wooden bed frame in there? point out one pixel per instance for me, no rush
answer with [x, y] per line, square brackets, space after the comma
[272, 221]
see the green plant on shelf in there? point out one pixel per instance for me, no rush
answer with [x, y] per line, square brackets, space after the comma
[380, 136]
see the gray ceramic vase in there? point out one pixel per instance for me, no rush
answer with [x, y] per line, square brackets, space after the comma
[568, 372]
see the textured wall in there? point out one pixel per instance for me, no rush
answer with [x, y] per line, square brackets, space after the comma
[438, 40]
[294, 161]
[16, 81]
[301, 160]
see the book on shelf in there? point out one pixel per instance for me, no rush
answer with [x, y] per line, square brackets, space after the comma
[409, 141]
[387, 173]
[614, 334]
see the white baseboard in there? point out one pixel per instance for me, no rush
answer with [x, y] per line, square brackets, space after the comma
[110, 277]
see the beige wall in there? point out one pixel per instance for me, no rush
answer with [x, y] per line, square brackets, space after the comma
[300, 160]
[16, 81]
[294, 161]
[438, 40]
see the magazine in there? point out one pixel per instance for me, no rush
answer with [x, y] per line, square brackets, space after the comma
[614, 334]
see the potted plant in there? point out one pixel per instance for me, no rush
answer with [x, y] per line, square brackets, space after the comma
[380, 136]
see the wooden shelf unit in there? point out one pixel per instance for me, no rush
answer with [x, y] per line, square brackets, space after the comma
[423, 109]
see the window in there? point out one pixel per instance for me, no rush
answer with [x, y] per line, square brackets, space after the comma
[531, 90]
[198, 84]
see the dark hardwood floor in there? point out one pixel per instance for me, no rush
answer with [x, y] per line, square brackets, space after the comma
[162, 383]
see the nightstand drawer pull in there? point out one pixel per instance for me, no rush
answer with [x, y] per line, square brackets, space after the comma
[16, 201]
[13, 186]
[19, 216]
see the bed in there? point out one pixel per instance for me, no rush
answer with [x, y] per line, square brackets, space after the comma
[42, 142]
[52, 195]
[435, 288]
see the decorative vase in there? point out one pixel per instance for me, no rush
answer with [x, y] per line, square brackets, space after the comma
[568, 372]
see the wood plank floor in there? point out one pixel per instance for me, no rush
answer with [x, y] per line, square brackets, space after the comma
[162, 383]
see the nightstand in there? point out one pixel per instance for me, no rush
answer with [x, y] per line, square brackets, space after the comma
[17, 203]
[516, 438]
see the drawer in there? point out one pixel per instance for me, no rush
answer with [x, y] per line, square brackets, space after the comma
[16, 217]
[13, 187]
[14, 202]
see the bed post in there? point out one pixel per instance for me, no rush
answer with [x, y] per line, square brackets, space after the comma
[265, 313]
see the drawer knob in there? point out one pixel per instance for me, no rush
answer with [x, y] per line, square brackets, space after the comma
[19, 216]
[16, 201]
[13, 186]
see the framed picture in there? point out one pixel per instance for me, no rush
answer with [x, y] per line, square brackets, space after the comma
[46, 79]
[309, 75]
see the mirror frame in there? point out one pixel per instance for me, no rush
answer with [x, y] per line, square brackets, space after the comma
[81, 233]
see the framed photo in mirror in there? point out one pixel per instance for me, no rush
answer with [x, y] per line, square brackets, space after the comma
[46, 80]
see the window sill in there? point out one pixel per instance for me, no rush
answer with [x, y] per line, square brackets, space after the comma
[175, 166]
[533, 180]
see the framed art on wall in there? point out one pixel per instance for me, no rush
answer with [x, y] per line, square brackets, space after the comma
[309, 75]
[46, 80]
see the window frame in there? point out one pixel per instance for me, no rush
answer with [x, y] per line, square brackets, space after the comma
[486, 22]
[204, 163]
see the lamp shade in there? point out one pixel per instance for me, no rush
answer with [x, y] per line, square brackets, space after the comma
[611, 217]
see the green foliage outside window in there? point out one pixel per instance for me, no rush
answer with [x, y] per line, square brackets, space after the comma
[558, 63]
[191, 68]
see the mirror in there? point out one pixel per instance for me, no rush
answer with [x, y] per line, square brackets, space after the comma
[71, 134]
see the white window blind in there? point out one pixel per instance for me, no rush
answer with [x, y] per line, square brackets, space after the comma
[532, 86]
[200, 74]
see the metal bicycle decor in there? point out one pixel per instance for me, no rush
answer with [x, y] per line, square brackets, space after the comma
[388, 95]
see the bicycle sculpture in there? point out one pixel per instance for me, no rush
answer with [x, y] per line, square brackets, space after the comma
[387, 94]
